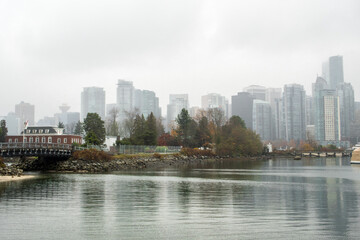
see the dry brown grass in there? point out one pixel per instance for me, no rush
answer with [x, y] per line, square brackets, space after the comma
[91, 155]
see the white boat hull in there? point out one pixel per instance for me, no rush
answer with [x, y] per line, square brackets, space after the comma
[355, 162]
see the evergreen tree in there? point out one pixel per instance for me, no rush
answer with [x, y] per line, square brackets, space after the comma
[94, 127]
[137, 137]
[150, 135]
[202, 135]
[3, 130]
[61, 125]
[79, 129]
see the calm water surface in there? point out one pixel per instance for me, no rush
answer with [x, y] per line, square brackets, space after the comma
[307, 199]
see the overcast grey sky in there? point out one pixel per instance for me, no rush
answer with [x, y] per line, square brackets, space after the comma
[51, 49]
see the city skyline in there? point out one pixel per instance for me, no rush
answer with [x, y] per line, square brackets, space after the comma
[194, 47]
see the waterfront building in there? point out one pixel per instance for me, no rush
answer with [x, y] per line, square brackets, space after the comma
[125, 98]
[44, 134]
[176, 103]
[261, 118]
[26, 113]
[242, 106]
[93, 101]
[258, 92]
[294, 112]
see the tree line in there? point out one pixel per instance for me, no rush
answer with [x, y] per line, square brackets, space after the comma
[209, 130]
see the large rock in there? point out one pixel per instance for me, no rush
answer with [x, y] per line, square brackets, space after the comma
[356, 155]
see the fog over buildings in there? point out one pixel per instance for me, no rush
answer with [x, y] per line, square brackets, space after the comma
[195, 47]
[159, 56]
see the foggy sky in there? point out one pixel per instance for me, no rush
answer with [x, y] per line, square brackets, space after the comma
[51, 49]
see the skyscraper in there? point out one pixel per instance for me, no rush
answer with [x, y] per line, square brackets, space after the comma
[176, 103]
[147, 102]
[262, 119]
[214, 100]
[274, 97]
[336, 71]
[345, 92]
[258, 92]
[125, 98]
[326, 113]
[294, 112]
[25, 112]
[242, 106]
[93, 101]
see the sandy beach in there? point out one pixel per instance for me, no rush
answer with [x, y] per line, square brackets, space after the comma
[15, 178]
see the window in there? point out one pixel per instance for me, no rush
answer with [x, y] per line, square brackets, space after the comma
[25, 140]
[16, 140]
[28, 131]
[49, 139]
[47, 131]
[40, 131]
[10, 140]
[43, 139]
[34, 131]
[65, 140]
[59, 140]
[31, 140]
[37, 139]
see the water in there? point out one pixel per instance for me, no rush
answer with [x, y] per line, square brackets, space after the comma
[275, 199]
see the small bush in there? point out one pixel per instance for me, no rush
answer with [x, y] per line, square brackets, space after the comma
[157, 155]
[91, 155]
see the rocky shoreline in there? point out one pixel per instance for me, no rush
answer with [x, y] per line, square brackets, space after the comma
[88, 166]
[11, 171]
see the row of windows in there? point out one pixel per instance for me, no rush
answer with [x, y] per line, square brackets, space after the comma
[44, 140]
[35, 131]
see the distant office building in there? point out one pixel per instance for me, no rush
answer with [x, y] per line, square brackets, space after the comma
[110, 107]
[336, 71]
[310, 133]
[262, 119]
[309, 109]
[242, 106]
[13, 123]
[25, 112]
[125, 98]
[294, 112]
[327, 113]
[46, 121]
[274, 97]
[214, 100]
[258, 92]
[345, 92]
[357, 106]
[176, 103]
[325, 71]
[93, 101]
[193, 111]
[147, 102]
